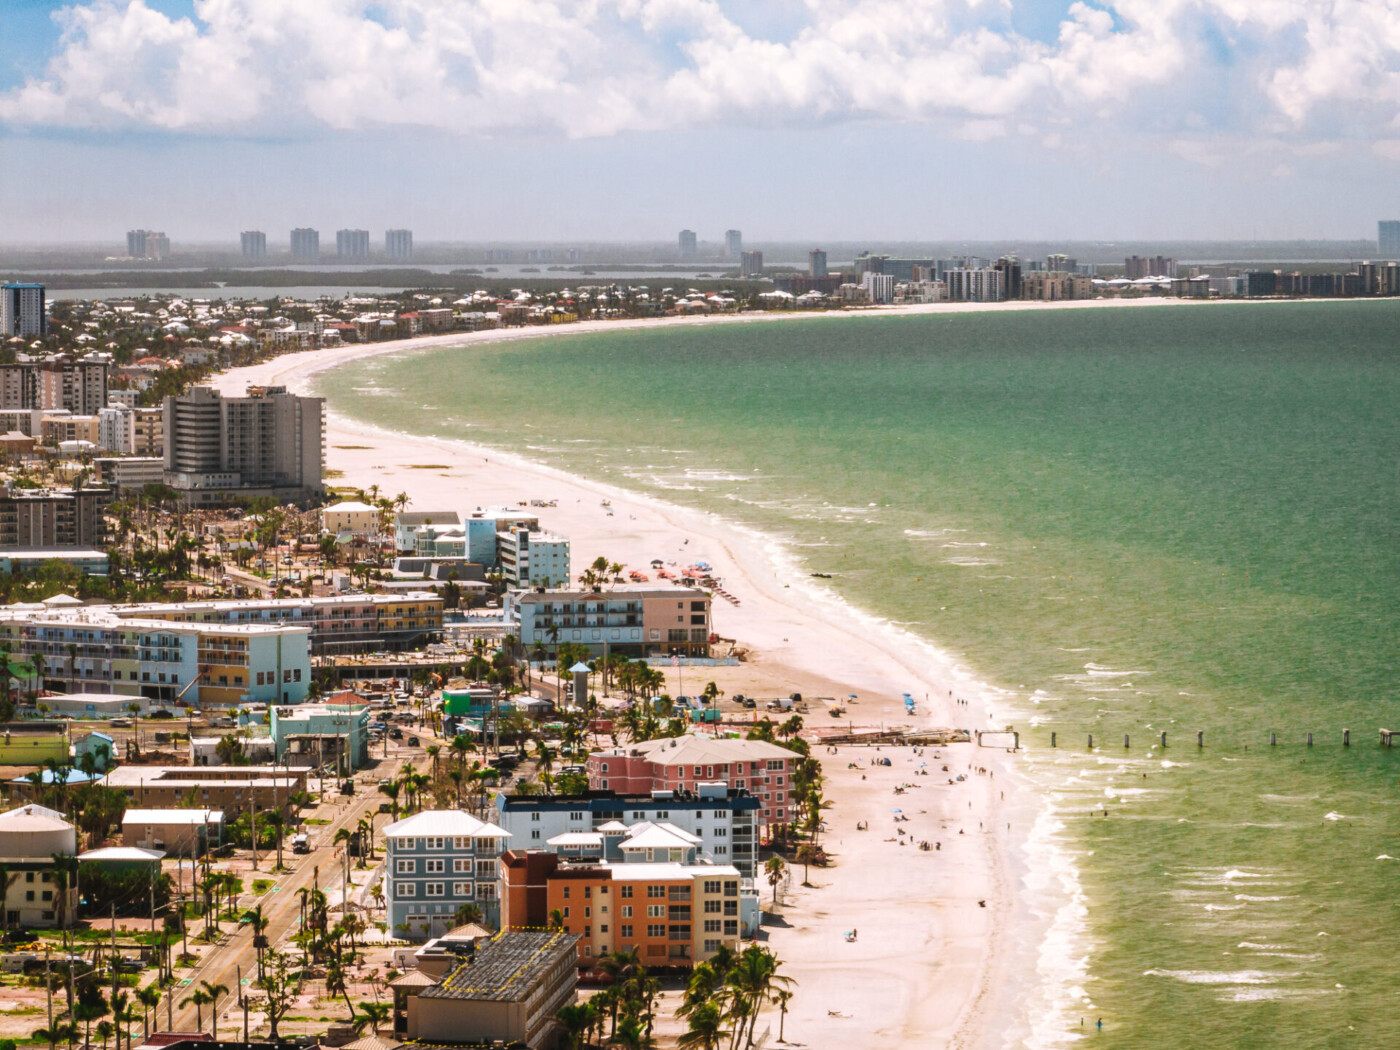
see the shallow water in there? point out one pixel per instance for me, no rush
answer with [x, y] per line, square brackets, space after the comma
[1179, 519]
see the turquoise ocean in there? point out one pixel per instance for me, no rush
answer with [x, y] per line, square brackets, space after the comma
[1179, 518]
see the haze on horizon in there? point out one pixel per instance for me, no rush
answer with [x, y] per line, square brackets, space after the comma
[626, 120]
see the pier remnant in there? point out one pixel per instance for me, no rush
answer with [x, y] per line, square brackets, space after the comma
[1200, 738]
[1273, 740]
[1346, 738]
[1164, 739]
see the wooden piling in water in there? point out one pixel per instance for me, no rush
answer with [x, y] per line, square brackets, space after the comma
[1200, 738]
[1125, 741]
[1346, 738]
[1052, 739]
[1309, 740]
[1164, 739]
[1273, 740]
[1091, 741]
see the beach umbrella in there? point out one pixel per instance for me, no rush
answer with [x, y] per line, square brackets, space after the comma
[896, 810]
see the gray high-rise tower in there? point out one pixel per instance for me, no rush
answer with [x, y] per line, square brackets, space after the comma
[1389, 237]
[306, 245]
[398, 244]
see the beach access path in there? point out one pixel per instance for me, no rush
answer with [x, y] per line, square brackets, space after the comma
[929, 965]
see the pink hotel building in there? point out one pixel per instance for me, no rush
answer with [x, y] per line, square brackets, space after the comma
[762, 769]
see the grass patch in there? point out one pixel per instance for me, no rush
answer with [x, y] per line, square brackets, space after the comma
[315, 820]
[429, 466]
[261, 886]
[331, 473]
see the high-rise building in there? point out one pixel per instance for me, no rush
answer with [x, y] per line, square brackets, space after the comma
[254, 244]
[78, 385]
[975, 285]
[750, 264]
[22, 310]
[352, 244]
[306, 245]
[147, 244]
[686, 242]
[269, 442]
[1135, 267]
[879, 286]
[733, 243]
[398, 244]
[816, 263]
[1389, 238]
[53, 517]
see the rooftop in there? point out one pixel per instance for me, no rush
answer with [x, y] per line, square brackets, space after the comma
[445, 823]
[173, 816]
[695, 750]
[507, 967]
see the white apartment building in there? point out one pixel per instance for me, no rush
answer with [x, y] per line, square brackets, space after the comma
[529, 558]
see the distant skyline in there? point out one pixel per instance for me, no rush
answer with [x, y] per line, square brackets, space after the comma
[629, 120]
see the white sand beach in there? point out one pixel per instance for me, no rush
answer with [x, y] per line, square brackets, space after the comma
[931, 964]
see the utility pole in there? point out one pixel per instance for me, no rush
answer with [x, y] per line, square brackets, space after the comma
[243, 1002]
[254, 792]
[48, 985]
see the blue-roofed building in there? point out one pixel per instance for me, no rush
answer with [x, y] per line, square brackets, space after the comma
[435, 862]
[100, 746]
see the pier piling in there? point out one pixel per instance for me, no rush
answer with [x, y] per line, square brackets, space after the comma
[1309, 740]
[1200, 738]
[1052, 739]
[1164, 739]
[1125, 741]
[1273, 740]
[1346, 738]
[1091, 741]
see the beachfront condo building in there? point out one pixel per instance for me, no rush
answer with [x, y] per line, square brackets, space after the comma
[632, 619]
[22, 310]
[352, 244]
[661, 901]
[253, 243]
[398, 244]
[816, 263]
[103, 649]
[686, 765]
[529, 559]
[306, 244]
[751, 264]
[339, 624]
[49, 518]
[435, 862]
[686, 242]
[269, 443]
[57, 382]
[724, 821]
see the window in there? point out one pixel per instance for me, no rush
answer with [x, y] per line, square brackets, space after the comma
[405, 867]
[462, 842]
[588, 891]
[656, 930]
[656, 891]
[461, 867]
[776, 763]
[535, 817]
[627, 931]
[575, 816]
[433, 843]
[407, 843]
[712, 885]
[626, 891]
[720, 814]
[656, 911]
[711, 945]
[461, 889]
[721, 851]
[435, 889]
[566, 911]
[712, 907]
[434, 867]
[627, 911]
[731, 927]
[721, 833]
[407, 889]
[712, 926]
[534, 833]
[588, 913]
[567, 892]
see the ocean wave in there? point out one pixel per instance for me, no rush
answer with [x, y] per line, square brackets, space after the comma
[1256, 994]
[1334, 816]
[1220, 976]
[1247, 897]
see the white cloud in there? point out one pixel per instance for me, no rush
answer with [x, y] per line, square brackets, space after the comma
[1296, 71]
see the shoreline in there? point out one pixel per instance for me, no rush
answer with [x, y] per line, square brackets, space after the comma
[915, 986]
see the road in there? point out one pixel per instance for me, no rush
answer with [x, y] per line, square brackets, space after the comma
[281, 905]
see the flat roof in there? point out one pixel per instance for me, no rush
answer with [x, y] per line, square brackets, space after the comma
[173, 816]
[507, 967]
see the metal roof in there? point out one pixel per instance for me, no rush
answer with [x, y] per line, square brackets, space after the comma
[507, 967]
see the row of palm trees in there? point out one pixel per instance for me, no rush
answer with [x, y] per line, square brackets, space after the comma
[723, 1002]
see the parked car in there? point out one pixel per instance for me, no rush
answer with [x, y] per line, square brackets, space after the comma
[396, 734]
[413, 741]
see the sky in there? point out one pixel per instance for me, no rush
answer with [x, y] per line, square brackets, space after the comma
[621, 120]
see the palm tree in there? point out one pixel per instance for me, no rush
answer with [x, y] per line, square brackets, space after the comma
[706, 1028]
[149, 998]
[104, 1032]
[58, 1032]
[61, 875]
[373, 1015]
[782, 997]
[214, 991]
[259, 925]
[774, 869]
[336, 985]
[576, 1019]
